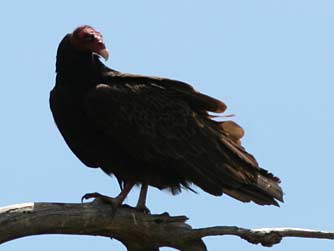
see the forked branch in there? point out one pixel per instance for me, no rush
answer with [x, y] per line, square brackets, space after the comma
[137, 231]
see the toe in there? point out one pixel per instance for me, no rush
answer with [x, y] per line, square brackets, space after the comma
[143, 209]
[89, 196]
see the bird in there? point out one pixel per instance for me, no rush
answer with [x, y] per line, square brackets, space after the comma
[150, 131]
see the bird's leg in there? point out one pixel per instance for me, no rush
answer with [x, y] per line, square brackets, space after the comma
[141, 204]
[114, 202]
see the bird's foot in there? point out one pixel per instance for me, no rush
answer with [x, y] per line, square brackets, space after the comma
[99, 196]
[143, 209]
[114, 202]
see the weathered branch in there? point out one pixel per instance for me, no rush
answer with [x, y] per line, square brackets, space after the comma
[137, 231]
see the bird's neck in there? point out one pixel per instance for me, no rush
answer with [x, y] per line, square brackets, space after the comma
[79, 67]
[79, 75]
[75, 68]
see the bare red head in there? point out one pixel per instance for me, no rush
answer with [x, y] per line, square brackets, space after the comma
[86, 38]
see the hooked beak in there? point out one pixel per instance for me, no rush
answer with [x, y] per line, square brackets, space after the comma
[104, 53]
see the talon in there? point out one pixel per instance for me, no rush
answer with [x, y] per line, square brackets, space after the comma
[99, 196]
[90, 195]
[143, 209]
[114, 202]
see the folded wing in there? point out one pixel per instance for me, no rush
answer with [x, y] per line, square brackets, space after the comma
[165, 123]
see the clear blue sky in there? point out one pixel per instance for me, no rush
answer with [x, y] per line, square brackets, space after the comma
[271, 61]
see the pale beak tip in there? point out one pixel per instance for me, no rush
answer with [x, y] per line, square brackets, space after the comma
[104, 53]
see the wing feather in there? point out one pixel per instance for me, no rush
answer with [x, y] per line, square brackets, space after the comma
[165, 124]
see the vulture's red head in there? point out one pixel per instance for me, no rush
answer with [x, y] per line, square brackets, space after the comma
[85, 38]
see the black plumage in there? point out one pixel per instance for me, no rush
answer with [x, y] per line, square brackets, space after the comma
[149, 130]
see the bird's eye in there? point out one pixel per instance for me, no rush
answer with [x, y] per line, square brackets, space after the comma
[89, 37]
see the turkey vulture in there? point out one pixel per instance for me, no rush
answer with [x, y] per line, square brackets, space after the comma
[149, 131]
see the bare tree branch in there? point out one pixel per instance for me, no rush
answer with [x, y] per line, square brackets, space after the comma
[137, 231]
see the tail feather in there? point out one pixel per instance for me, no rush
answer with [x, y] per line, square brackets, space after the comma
[264, 192]
[223, 171]
[247, 194]
[270, 187]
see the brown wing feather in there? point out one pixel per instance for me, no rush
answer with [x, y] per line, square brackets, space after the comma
[194, 98]
[161, 121]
